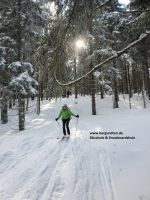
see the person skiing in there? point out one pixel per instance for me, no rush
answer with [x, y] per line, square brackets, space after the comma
[65, 115]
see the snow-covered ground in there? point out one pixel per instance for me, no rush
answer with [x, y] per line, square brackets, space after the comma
[34, 165]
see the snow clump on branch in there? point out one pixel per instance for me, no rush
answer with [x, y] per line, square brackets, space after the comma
[22, 82]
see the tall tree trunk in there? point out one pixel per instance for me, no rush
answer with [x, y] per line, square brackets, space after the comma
[121, 87]
[19, 32]
[102, 91]
[92, 90]
[116, 96]
[64, 92]
[4, 108]
[140, 82]
[75, 76]
[91, 76]
[101, 85]
[10, 104]
[21, 100]
[129, 85]
[126, 80]
[76, 91]
[93, 94]
[134, 80]
[21, 105]
[14, 100]
[38, 101]
[41, 91]
[27, 105]
[129, 81]
[143, 94]
[147, 74]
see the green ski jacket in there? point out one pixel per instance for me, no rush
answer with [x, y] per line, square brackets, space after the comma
[66, 114]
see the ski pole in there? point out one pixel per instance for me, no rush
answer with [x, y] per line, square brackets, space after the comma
[60, 127]
[58, 124]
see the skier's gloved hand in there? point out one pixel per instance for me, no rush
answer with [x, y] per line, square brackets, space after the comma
[56, 118]
[77, 116]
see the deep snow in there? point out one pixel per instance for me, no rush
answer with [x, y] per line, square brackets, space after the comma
[34, 165]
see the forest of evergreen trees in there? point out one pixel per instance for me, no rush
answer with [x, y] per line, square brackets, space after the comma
[88, 47]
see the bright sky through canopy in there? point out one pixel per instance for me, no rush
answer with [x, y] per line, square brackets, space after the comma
[79, 44]
[126, 2]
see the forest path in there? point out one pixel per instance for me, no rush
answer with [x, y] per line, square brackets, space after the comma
[34, 165]
[82, 172]
[51, 170]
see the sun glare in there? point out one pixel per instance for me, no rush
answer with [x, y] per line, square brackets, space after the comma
[79, 44]
[126, 2]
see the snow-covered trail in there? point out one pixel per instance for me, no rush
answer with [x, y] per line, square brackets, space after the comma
[80, 174]
[54, 170]
[34, 165]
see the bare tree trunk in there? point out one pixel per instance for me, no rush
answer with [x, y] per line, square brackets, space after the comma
[147, 78]
[93, 94]
[27, 105]
[91, 76]
[64, 92]
[134, 80]
[75, 76]
[129, 81]
[21, 108]
[116, 96]
[76, 91]
[38, 101]
[102, 91]
[143, 94]
[140, 82]
[129, 85]
[21, 100]
[92, 88]
[14, 100]
[41, 91]
[10, 104]
[4, 108]
[101, 86]
[19, 32]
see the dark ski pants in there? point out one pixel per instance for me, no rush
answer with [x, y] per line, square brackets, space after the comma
[66, 126]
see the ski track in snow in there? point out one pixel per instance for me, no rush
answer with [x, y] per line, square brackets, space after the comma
[85, 169]
[26, 176]
[91, 170]
[43, 168]
[42, 174]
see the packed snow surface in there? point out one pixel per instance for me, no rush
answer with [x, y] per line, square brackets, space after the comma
[34, 165]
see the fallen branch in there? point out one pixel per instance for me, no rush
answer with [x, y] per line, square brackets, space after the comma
[116, 55]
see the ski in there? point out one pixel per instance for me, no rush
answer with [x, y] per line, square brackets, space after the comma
[63, 138]
[67, 138]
